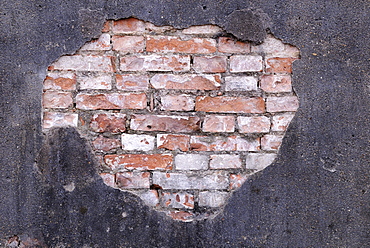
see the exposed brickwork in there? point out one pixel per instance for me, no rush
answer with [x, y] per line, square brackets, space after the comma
[178, 117]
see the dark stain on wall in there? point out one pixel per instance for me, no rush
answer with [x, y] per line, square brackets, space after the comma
[315, 195]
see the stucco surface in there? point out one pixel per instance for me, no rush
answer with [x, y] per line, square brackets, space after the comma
[316, 194]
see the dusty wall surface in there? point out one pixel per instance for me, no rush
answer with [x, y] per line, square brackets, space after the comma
[316, 194]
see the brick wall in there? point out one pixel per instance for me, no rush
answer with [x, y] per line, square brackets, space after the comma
[178, 117]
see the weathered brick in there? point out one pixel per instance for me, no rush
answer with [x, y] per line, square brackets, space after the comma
[139, 161]
[212, 199]
[270, 46]
[128, 44]
[271, 142]
[279, 65]
[218, 123]
[186, 82]
[210, 180]
[259, 161]
[60, 81]
[281, 122]
[128, 26]
[246, 63]
[177, 102]
[132, 82]
[165, 123]
[227, 104]
[225, 161]
[169, 44]
[241, 83]
[139, 142]
[254, 124]
[105, 144]
[56, 119]
[111, 101]
[109, 179]
[210, 64]
[106, 27]
[184, 216]
[108, 122]
[155, 63]
[191, 162]
[231, 143]
[150, 28]
[150, 197]
[133, 180]
[177, 200]
[237, 180]
[276, 83]
[57, 99]
[101, 44]
[282, 104]
[229, 45]
[203, 29]
[83, 63]
[95, 81]
[173, 142]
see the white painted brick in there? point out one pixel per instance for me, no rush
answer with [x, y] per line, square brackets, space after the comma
[215, 180]
[259, 161]
[245, 63]
[139, 142]
[177, 200]
[281, 122]
[101, 44]
[225, 161]
[150, 197]
[212, 199]
[191, 162]
[240, 83]
[56, 119]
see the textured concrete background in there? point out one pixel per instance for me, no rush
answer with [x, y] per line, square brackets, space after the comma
[317, 194]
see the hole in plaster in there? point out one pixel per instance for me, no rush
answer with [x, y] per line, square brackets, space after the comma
[177, 117]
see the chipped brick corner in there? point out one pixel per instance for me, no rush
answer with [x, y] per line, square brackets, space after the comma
[180, 118]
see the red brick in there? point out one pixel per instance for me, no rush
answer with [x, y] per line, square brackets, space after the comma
[225, 161]
[169, 44]
[279, 65]
[173, 142]
[108, 122]
[128, 44]
[276, 83]
[246, 63]
[105, 144]
[177, 200]
[155, 63]
[60, 81]
[106, 27]
[133, 180]
[282, 104]
[101, 44]
[132, 82]
[203, 29]
[165, 123]
[231, 143]
[111, 101]
[210, 64]
[56, 99]
[237, 180]
[271, 142]
[281, 122]
[177, 102]
[57, 119]
[254, 124]
[95, 81]
[230, 104]
[215, 123]
[186, 82]
[139, 161]
[83, 63]
[229, 45]
[128, 26]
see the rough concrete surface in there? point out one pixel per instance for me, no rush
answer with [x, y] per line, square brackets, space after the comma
[317, 193]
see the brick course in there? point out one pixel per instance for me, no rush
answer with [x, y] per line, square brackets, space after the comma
[178, 117]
